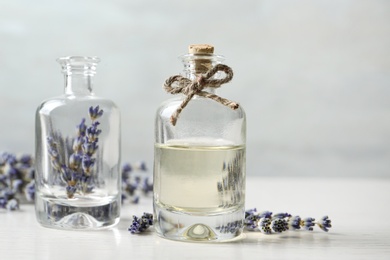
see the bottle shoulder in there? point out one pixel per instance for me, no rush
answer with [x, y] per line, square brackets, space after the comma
[67, 102]
[198, 105]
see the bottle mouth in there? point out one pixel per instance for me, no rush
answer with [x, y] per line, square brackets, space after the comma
[78, 64]
[203, 56]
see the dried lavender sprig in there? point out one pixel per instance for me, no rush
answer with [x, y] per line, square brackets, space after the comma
[263, 222]
[268, 223]
[134, 182]
[77, 171]
[141, 224]
[16, 172]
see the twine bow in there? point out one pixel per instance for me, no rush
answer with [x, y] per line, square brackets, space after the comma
[179, 84]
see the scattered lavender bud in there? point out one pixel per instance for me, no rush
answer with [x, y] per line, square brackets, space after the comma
[15, 174]
[141, 224]
[17, 185]
[265, 214]
[147, 186]
[279, 225]
[325, 223]
[295, 222]
[30, 191]
[134, 182]
[251, 219]
[26, 160]
[12, 205]
[308, 223]
[265, 225]
[3, 202]
[282, 215]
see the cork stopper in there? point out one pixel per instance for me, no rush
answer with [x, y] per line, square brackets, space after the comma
[202, 62]
[201, 49]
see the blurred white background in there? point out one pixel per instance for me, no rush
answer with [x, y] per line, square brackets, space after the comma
[313, 76]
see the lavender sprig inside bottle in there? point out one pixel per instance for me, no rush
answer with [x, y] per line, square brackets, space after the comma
[78, 170]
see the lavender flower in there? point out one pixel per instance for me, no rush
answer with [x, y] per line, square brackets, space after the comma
[141, 224]
[3, 202]
[75, 161]
[53, 153]
[15, 173]
[95, 113]
[90, 148]
[265, 225]
[12, 204]
[250, 212]
[10, 159]
[147, 186]
[251, 220]
[282, 215]
[17, 185]
[66, 173]
[85, 182]
[71, 190]
[142, 166]
[308, 223]
[134, 183]
[81, 128]
[325, 223]
[26, 160]
[279, 225]
[52, 148]
[12, 172]
[265, 214]
[76, 176]
[126, 170]
[93, 132]
[78, 144]
[294, 222]
[30, 191]
[87, 164]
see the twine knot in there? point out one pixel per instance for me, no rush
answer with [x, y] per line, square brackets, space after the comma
[179, 84]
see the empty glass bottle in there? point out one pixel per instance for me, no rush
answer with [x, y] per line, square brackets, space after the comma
[78, 154]
[199, 167]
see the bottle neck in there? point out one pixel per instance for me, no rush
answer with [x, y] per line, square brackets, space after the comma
[197, 65]
[79, 72]
[78, 84]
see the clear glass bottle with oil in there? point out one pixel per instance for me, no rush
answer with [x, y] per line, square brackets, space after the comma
[77, 177]
[199, 166]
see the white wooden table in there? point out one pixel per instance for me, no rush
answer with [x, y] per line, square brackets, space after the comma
[358, 208]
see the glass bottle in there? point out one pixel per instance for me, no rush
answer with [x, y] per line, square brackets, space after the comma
[199, 167]
[78, 154]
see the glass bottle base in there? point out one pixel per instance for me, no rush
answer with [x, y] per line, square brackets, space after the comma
[74, 215]
[223, 226]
